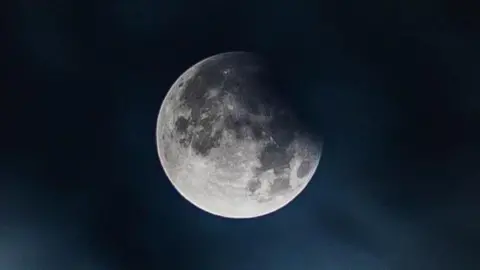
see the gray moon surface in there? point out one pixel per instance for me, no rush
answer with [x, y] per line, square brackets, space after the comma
[227, 143]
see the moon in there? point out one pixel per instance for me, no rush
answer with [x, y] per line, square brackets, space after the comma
[229, 145]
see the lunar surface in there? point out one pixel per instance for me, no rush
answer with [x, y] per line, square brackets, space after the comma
[227, 144]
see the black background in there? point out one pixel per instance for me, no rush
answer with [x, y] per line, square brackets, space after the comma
[393, 88]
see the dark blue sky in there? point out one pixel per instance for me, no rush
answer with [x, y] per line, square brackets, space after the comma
[393, 88]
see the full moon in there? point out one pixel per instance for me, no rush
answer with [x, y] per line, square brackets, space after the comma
[228, 144]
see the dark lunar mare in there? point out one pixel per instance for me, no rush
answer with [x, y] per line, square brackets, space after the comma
[246, 78]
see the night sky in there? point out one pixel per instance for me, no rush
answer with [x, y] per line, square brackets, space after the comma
[393, 87]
